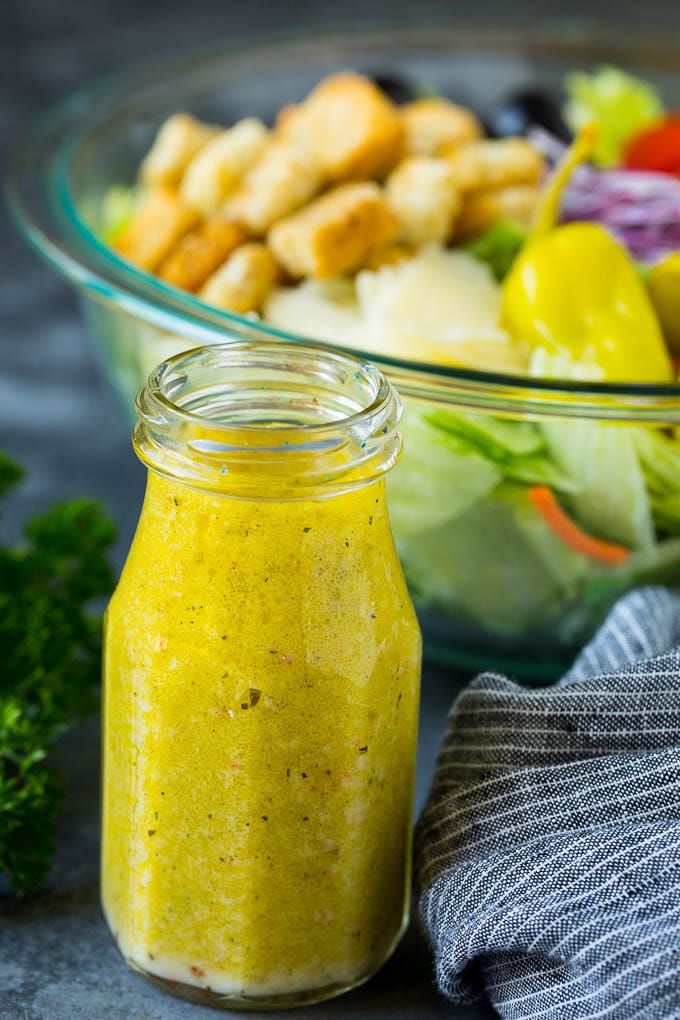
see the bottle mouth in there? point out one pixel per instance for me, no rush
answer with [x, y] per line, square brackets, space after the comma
[269, 420]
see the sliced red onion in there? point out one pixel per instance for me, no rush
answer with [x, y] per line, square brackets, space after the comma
[640, 207]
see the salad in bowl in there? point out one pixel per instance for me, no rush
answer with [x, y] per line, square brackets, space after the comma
[515, 267]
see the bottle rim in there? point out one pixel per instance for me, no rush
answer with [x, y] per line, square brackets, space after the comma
[268, 420]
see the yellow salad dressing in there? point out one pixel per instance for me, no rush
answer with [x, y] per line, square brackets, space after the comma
[262, 664]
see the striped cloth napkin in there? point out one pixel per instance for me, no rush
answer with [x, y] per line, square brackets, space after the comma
[548, 854]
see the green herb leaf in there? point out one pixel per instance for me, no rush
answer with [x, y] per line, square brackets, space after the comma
[50, 647]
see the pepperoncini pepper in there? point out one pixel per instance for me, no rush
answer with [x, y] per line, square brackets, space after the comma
[574, 290]
[663, 285]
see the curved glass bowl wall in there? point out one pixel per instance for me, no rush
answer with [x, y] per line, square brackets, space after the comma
[482, 601]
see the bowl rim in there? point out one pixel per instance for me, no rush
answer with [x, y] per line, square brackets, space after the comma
[41, 163]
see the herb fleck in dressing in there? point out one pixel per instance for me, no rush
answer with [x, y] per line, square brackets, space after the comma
[262, 665]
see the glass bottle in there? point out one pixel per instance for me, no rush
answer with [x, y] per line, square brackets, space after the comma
[262, 662]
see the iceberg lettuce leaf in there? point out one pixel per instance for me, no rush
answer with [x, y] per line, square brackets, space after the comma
[499, 247]
[539, 470]
[495, 437]
[620, 104]
[660, 459]
[439, 477]
[612, 501]
[496, 564]
[660, 565]
[117, 210]
[517, 448]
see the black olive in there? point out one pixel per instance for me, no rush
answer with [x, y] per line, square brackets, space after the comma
[521, 111]
[399, 89]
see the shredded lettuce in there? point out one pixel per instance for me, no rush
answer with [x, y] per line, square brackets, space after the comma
[620, 105]
[474, 546]
[497, 438]
[499, 247]
[439, 477]
[116, 211]
[565, 566]
[602, 460]
[666, 511]
[660, 565]
[660, 460]
[539, 470]
[561, 365]
[472, 543]
[517, 448]
[496, 564]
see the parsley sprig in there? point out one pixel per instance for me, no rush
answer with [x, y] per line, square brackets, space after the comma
[50, 653]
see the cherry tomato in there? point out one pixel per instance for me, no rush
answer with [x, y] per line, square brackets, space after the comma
[656, 148]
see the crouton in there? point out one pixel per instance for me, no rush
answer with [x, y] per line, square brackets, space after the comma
[287, 119]
[423, 195]
[199, 253]
[335, 235]
[216, 171]
[175, 145]
[496, 164]
[430, 124]
[285, 177]
[243, 282]
[389, 255]
[483, 209]
[352, 126]
[156, 227]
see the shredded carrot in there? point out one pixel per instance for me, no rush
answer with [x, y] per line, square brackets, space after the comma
[554, 516]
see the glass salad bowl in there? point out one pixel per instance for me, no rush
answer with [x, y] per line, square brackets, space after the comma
[522, 507]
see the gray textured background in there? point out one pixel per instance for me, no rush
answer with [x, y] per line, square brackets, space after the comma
[56, 960]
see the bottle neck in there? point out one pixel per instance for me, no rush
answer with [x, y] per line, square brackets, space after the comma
[268, 421]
